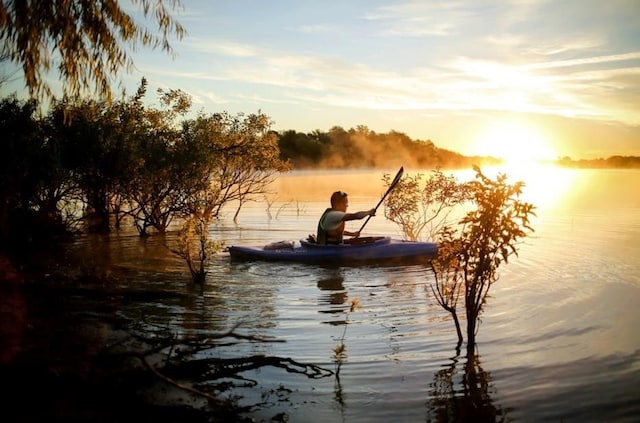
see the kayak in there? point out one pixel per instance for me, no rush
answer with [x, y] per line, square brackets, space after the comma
[372, 250]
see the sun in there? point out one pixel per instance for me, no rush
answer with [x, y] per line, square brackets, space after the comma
[515, 142]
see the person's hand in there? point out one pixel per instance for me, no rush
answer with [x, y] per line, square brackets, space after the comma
[372, 212]
[355, 234]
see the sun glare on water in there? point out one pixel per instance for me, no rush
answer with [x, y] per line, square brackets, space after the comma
[527, 154]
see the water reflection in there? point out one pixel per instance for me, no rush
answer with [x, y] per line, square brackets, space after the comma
[546, 186]
[333, 294]
[337, 298]
[461, 392]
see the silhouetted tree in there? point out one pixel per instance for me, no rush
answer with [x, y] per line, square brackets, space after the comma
[161, 177]
[303, 150]
[88, 41]
[470, 255]
[24, 168]
[241, 156]
[86, 153]
[233, 159]
[470, 252]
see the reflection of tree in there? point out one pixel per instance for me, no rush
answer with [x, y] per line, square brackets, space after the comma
[340, 397]
[337, 298]
[337, 294]
[466, 399]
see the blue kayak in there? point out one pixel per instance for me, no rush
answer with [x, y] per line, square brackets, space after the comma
[372, 250]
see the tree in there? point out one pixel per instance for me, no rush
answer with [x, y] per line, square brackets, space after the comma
[58, 197]
[416, 206]
[38, 188]
[162, 176]
[302, 149]
[19, 130]
[231, 159]
[21, 170]
[255, 169]
[122, 157]
[242, 157]
[86, 40]
[195, 248]
[84, 139]
[469, 252]
[469, 256]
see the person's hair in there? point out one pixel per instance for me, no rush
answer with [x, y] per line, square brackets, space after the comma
[337, 197]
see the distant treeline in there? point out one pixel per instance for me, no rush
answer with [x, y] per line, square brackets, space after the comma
[364, 148]
[620, 162]
[361, 147]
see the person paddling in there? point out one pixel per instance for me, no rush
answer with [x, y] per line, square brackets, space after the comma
[331, 224]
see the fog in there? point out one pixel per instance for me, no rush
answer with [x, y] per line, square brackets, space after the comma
[311, 185]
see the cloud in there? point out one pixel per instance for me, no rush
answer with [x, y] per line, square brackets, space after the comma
[418, 19]
[463, 83]
[211, 97]
[431, 57]
[587, 61]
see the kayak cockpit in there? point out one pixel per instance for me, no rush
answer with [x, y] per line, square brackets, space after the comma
[368, 241]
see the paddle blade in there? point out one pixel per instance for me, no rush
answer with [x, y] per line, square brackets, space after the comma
[396, 179]
[391, 186]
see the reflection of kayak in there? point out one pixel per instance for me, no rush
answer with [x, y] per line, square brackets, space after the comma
[373, 250]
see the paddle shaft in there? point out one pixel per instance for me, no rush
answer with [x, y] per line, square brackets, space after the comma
[393, 184]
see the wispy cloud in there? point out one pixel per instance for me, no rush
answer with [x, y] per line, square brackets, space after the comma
[419, 18]
[463, 83]
[435, 58]
[587, 61]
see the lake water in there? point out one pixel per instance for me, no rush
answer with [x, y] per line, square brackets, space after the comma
[559, 339]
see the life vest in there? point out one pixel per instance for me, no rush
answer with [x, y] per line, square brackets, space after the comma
[324, 237]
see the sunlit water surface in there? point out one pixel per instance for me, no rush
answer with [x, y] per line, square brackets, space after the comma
[559, 340]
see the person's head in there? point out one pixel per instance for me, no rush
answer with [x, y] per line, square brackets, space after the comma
[339, 200]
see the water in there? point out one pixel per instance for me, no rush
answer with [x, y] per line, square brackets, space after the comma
[559, 340]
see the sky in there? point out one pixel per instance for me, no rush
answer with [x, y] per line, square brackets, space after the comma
[540, 78]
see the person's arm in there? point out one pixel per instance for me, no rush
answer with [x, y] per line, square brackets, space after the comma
[356, 216]
[351, 234]
[359, 215]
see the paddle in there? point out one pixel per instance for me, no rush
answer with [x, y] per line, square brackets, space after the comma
[393, 184]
